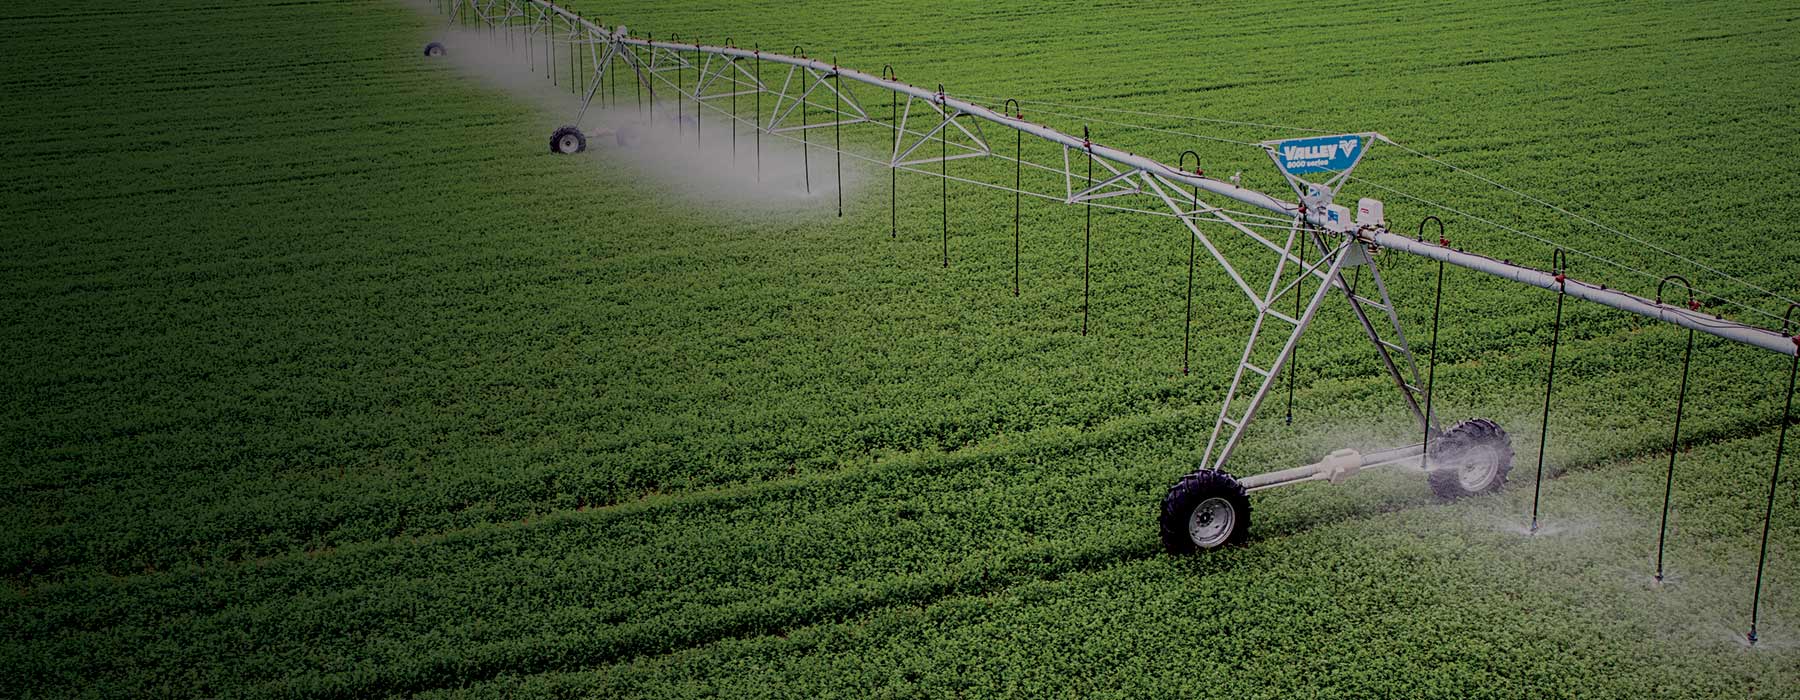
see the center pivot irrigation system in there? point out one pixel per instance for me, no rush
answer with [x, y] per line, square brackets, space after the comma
[1311, 238]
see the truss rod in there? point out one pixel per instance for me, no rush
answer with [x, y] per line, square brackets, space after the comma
[1769, 340]
[1110, 157]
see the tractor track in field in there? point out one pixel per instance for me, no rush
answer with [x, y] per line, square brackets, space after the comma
[415, 573]
[654, 638]
[1048, 441]
[647, 639]
[784, 615]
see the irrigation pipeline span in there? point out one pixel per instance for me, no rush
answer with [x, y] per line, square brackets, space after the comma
[1773, 341]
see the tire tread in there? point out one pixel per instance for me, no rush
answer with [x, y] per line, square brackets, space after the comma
[1466, 435]
[1189, 493]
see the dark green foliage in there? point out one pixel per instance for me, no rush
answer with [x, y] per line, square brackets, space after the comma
[323, 379]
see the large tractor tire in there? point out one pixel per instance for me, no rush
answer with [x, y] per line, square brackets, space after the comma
[1205, 510]
[567, 140]
[1469, 459]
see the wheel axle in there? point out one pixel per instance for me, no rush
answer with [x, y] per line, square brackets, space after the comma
[1209, 509]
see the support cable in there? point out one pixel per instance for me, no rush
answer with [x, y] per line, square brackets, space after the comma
[1182, 117]
[1411, 151]
[1546, 241]
[1594, 223]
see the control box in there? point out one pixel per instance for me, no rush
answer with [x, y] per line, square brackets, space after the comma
[1371, 213]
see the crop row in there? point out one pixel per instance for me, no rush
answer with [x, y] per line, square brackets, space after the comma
[631, 395]
[589, 588]
[329, 382]
[1429, 602]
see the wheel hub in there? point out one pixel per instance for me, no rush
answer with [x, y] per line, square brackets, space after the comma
[1211, 523]
[1475, 468]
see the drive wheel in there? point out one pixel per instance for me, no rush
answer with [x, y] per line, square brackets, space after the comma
[1204, 510]
[1469, 459]
[434, 49]
[567, 140]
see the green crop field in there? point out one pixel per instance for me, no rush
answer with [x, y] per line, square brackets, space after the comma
[323, 379]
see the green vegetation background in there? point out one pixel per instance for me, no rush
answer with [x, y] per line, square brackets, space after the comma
[323, 379]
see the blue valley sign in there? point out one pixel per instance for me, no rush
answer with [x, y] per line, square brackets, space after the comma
[1319, 154]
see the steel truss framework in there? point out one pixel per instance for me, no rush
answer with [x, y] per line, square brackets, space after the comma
[1206, 208]
[1302, 240]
